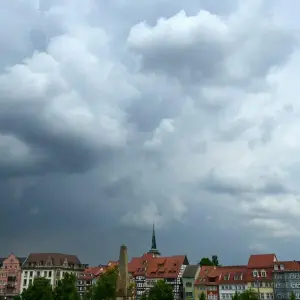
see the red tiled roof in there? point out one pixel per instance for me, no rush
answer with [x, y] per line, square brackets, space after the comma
[156, 267]
[210, 275]
[234, 274]
[93, 272]
[288, 266]
[261, 261]
[202, 277]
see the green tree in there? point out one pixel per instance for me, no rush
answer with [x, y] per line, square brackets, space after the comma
[160, 291]
[248, 295]
[293, 296]
[105, 288]
[17, 297]
[236, 296]
[205, 261]
[66, 288]
[214, 260]
[41, 289]
[202, 296]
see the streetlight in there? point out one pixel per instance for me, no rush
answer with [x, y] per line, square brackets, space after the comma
[257, 284]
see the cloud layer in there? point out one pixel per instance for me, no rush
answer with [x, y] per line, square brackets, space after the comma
[187, 118]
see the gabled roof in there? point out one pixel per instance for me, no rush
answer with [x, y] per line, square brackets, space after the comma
[261, 261]
[57, 259]
[190, 271]
[156, 267]
[21, 259]
[202, 278]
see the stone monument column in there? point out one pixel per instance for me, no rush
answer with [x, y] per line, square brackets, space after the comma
[123, 276]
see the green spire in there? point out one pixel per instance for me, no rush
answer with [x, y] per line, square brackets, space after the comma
[153, 246]
[153, 249]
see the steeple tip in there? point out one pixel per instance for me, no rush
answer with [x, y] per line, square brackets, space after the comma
[153, 249]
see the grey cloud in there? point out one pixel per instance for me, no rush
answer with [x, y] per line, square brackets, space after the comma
[107, 125]
[208, 49]
[233, 187]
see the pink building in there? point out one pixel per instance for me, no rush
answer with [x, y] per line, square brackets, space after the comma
[10, 276]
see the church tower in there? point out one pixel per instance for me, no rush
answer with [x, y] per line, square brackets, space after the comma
[153, 249]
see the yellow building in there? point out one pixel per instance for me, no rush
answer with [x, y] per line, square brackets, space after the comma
[260, 274]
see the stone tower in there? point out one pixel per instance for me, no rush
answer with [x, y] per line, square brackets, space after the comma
[153, 249]
[123, 277]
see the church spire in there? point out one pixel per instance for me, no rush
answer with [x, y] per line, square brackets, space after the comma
[153, 249]
[153, 246]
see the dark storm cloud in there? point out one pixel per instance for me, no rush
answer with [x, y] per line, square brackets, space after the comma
[108, 124]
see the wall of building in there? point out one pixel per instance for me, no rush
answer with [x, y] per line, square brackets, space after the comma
[188, 288]
[226, 291]
[53, 274]
[10, 276]
[265, 288]
[198, 290]
[285, 283]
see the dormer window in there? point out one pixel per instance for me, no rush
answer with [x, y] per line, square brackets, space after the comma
[281, 267]
[263, 273]
[255, 273]
[275, 267]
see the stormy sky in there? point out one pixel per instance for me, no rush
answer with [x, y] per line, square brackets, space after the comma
[117, 114]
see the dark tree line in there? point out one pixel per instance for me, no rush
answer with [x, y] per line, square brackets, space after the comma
[206, 261]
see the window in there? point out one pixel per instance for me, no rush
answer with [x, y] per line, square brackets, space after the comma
[188, 284]
[30, 281]
[281, 267]
[25, 282]
[189, 294]
[262, 296]
[38, 273]
[50, 273]
[30, 273]
[255, 273]
[275, 267]
[263, 273]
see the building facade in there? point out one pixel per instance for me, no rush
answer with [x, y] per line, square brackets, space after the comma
[52, 266]
[188, 281]
[260, 274]
[286, 276]
[90, 276]
[207, 283]
[145, 271]
[232, 280]
[10, 276]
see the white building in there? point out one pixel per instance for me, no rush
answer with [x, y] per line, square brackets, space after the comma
[232, 281]
[52, 266]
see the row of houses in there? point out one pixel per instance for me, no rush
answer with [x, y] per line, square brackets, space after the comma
[17, 273]
[264, 273]
[270, 277]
